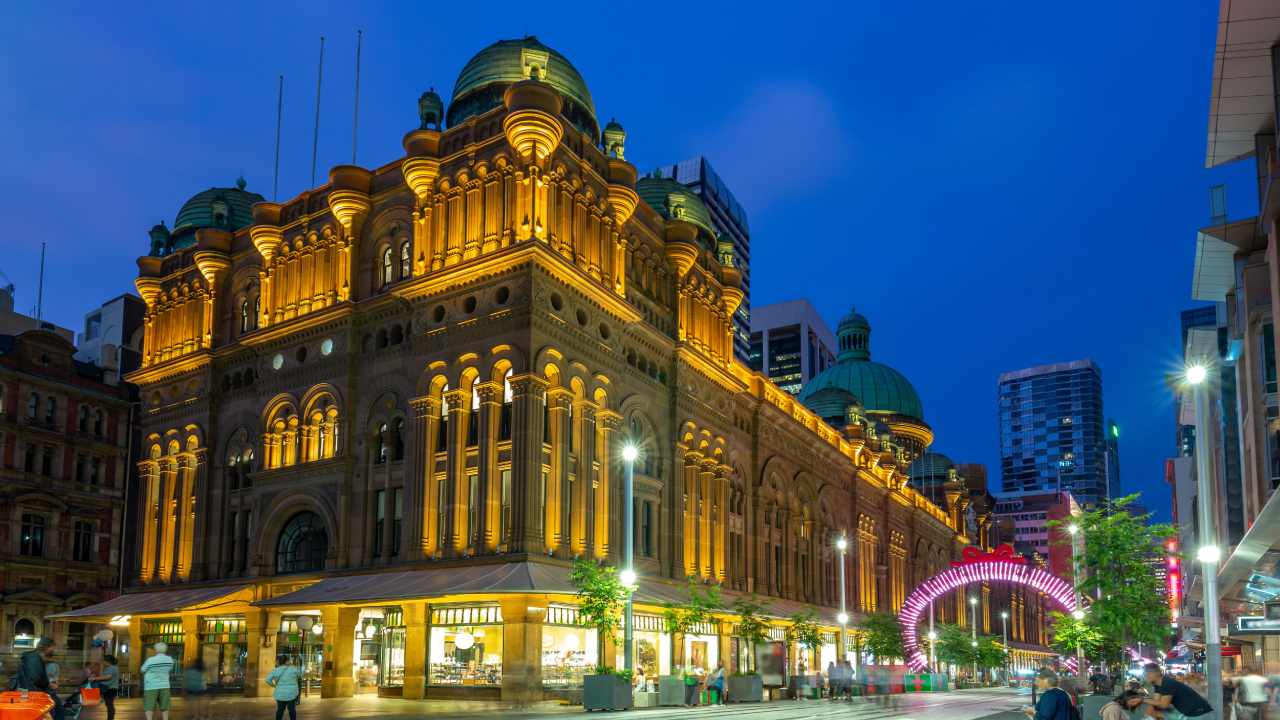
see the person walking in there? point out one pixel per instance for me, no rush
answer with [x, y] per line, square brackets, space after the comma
[155, 682]
[108, 681]
[1174, 699]
[1054, 703]
[33, 674]
[715, 683]
[195, 689]
[287, 682]
[1251, 695]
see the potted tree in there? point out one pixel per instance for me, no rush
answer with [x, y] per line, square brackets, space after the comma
[601, 596]
[745, 685]
[677, 620]
[804, 632]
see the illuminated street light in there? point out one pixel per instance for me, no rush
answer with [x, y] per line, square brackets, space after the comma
[843, 618]
[1209, 554]
[1073, 528]
[627, 578]
[973, 600]
[933, 635]
[630, 452]
[1196, 374]
[628, 575]
[1077, 614]
[842, 544]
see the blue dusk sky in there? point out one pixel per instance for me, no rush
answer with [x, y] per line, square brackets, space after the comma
[995, 185]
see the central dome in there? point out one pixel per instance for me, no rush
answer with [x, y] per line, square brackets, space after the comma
[486, 76]
[879, 388]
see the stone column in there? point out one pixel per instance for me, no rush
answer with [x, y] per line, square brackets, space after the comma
[527, 534]
[260, 658]
[721, 535]
[557, 500]
[455, 535]
[168, 512]
[607, 422]
[490, 489]
[420, 490]
[584, 494]
[237, 544]
[706, 473]
[690, 491]
[149, 474]
[339, 643]
[415, 649]
[522, 618]
[190, 639]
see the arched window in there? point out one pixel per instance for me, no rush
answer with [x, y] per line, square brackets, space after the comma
[24, 629]
[381, 454]
[98, 422]
[50, 409]
[32, 539]
[406, 268]
[244, 316]
[397, 440]
[504, 420]
[303, 544]
[257, 308]
[83, 421]
[321, 440]
[387, 267]
[33, 405]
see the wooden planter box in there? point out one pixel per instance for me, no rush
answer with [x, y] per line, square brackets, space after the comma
[745, 688]
[605, 692]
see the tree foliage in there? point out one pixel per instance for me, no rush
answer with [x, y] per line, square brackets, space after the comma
[1071, 635]
[883, 636]
[601, 596]
[1118, 548]
[752, 627]
[804, 630]
[678, 619]
[955, 646]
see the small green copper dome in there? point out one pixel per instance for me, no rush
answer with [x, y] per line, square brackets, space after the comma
[675, 200]
[880, 388]
[226, 208]
[931, 466]
[229, 208]
[486, 77]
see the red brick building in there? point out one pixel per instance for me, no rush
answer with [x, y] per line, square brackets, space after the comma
[64, 446]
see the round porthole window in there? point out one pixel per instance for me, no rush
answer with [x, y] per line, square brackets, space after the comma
[277, 361]
[326, 347]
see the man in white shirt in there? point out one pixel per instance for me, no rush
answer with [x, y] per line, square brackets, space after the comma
[155, 682]
[1251, 695]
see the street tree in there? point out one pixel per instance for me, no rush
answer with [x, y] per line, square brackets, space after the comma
[1118, 548]
[678, 619]
[883, 636]
[601, 596]
[752, 627]
[804, 631]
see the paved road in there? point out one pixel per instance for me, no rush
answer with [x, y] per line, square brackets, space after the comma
[1000, 704]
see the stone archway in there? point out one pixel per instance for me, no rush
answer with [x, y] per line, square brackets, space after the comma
[999, 565]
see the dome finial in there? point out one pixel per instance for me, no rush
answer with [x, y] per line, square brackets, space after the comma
[854, 337]
[240, 182]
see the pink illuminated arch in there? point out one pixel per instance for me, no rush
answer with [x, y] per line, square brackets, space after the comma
[1000, 565]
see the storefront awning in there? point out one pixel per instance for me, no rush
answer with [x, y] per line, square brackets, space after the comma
[431, 582]
[158, 601]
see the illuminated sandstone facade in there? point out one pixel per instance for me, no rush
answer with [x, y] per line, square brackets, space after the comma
[431, 366]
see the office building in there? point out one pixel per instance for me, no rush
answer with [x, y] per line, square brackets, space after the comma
[790, 344]
[15, 323]
[1052, 437]
[112, 335]
[729, 219]
[1031, 515]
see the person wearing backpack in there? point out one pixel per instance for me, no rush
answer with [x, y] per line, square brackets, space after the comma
[1054, 702]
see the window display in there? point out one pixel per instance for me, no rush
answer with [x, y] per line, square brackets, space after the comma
[169, 632]
[568, 653]
[378, 652]
[652, 647]
[465, 646]
[301, 637]
[702, 647]
[224, 647]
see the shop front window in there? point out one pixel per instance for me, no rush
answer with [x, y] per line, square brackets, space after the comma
[302, 638]
[465, 646]
[651, 647]
[169, 632]
[379, 650]
[568, 649]
[702, 646]
[224, 647]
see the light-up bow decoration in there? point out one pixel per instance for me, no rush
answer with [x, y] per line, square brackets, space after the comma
[1000, 565]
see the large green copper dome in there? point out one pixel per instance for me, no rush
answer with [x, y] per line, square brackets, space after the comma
[486, 77]
[673, 199]
[880, 388]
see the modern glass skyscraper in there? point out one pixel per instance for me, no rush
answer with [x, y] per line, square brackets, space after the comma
[1052, 434]
[730, 220]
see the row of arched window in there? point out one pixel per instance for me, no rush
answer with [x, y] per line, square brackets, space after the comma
[393, 271]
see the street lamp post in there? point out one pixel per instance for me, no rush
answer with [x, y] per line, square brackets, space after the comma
[1004, 630]
[1074, 530]
[973, 613]
[842, 545]
[628, 574]
[1209, 553]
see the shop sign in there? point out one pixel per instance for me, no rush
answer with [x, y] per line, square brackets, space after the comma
[1258, 624]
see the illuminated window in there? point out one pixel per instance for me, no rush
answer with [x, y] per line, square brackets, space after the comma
[303, 544]
[388, 267]
[406, 268]
[32, 540]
